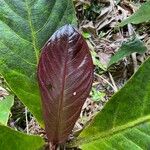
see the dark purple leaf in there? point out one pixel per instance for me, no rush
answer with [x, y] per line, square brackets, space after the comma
[65, 75]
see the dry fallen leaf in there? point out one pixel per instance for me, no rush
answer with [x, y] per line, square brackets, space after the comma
[3, 93]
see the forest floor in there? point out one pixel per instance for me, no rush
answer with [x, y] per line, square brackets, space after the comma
[97, 22]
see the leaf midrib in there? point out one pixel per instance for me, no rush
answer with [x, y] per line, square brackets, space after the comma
[32, 32]
[60, 106]
[106, 134]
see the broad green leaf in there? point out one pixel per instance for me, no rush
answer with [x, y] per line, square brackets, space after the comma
[125, 119]
[137, 138]
[14, 140]
[127, 48]
[5, 106]
[25, 26]
[141, 15]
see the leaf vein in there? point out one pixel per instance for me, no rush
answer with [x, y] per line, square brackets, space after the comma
[32, 32]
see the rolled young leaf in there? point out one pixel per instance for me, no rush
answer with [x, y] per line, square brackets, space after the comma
[65, 74]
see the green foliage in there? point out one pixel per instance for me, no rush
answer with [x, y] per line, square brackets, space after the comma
[127, 48]
[136, 138]
[86, 35]
[96, 61]
[13, 140]
[92, 11]
[124, 121]
[25, 26]
[5, 106]
[96, 95]
[117, 1]
[141, 15]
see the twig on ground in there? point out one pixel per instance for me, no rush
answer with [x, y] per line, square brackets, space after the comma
[132, 32]
[27, 123]
[112, 86]
[134, 62]
[113, 83]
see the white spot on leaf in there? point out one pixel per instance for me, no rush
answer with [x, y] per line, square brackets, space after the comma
[74, 93]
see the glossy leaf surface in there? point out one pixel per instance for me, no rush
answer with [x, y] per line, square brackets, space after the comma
[5, 105]
[25, 26]
[65, 75]
[125, 119]
[14, 140]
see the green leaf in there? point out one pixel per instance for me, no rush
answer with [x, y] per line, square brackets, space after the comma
[137, 138]
[127, 48]
[5, 106]
[97, 95]
[141, 15]
[117, 1]
[25, 26]
[86, 35]
[96, 62]
[14, 140]
[125, 119]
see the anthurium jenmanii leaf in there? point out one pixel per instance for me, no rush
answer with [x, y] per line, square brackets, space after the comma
[124, 122]
[14, 140]
[65, 75]
[5, 105]
[25, 26]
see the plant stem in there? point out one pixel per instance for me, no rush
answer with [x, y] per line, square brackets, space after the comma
[62, 147]
[56, 147]
[114, 88]
[113, 82]
[53, 146]
[131, 33]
